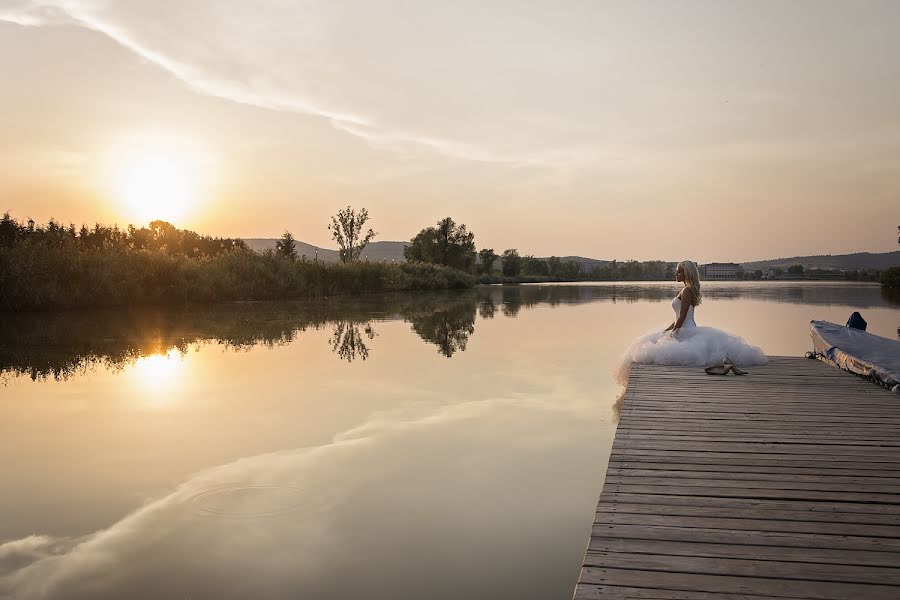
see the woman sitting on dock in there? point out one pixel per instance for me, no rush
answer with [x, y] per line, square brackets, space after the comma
[683, 342]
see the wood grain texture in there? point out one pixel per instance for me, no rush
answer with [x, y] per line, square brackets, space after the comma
[784, 483]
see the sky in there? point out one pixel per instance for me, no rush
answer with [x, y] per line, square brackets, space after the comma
[715, 131]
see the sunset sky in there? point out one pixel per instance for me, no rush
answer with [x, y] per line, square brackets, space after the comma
[713, 130]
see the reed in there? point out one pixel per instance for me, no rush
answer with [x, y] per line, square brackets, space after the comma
[53, 268]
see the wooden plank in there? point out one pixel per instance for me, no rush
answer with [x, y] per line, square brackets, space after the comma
[816, 555]
[781, 484]
[890, 502]
[589, 591]
[819, 483]
[747, 458]
[747, 585]
[816, 439]
[805, 476]
[877, 453]
[757, 408]
[742, 504]
[745, 536]
[746, 524]
[679, 465]
[687, 424]
[662, 509]
[759, 416]
[804, 571]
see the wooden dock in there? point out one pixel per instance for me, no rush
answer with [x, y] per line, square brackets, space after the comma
[784, 483]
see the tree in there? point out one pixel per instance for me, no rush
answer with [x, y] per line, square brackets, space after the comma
[486, 259]
[534, 266]
[795, 270]
[512, 262]
[447, 244]
[346, 229]
[286, 246]
[571, 269]
[554, 265]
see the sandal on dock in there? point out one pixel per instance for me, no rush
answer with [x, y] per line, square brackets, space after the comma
[719, 369]
[730, 365]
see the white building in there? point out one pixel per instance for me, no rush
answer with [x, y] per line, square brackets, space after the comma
[722, 271]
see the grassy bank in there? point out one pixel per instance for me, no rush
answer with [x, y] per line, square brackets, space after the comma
[53, 267]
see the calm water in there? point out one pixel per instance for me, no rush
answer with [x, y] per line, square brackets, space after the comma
[412, 446]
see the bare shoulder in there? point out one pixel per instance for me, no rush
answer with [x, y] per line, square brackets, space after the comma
[686, 295]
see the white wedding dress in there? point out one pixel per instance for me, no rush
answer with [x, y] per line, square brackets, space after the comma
[691, 346]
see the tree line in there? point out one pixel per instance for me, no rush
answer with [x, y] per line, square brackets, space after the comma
[56, 266]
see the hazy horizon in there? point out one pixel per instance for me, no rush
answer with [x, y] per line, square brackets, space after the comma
[722, 131]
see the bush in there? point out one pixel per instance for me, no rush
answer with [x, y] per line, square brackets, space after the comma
[57, 268]
[890, 278]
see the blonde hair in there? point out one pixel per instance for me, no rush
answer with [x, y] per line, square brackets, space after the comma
[692, 280]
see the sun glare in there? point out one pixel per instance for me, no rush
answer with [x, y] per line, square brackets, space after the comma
[155, 178]
[157, 376]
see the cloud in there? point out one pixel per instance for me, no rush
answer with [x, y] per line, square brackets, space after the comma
[236, 57]
[291, 516]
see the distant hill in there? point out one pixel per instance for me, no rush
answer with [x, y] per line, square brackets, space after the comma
[586, 263]
[842, 262]
[384, 251]
[389, 251]
[376, 251]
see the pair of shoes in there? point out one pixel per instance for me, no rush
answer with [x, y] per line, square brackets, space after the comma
[723, 369]
[734, 367]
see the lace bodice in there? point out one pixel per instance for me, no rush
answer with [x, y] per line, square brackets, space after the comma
[689, 319]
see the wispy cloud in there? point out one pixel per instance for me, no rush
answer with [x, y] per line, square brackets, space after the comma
[255, 89]
[183, 535]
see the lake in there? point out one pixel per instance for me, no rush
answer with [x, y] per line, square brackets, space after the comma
[441, 445]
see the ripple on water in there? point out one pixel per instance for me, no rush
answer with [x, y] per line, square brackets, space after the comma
[249, 500]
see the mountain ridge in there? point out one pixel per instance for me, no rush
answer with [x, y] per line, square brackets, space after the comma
[392, 251]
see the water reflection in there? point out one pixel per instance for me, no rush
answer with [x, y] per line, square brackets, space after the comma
[58, 345]
[447, 324]
[267, 471]
[158, 373]
[348, 340]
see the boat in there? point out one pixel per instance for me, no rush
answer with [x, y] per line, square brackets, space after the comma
[871, 356]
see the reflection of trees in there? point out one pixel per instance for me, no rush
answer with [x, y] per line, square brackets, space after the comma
[448, 323]
[59, 344]
[487, 308]
[348, 340]
[513, 298]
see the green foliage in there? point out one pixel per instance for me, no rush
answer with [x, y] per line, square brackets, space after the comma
[554, 266]
[890, 278]
[795, 270]
[286, 246]
[448, 244]
[486, 259]
[534, 266]
[346, 229]
[512, 262]
[54, 267]
[424, 276]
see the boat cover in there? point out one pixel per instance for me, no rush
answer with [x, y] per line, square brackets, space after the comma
[858, 351]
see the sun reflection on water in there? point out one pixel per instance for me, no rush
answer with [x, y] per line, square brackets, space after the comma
[157, 376]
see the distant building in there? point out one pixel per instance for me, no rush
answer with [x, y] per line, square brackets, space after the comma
[722, 271]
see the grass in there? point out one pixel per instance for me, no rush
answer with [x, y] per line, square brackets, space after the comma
[43, 273]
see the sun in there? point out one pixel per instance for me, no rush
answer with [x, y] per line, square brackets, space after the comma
[157, 178]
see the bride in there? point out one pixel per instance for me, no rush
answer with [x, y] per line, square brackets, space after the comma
[683, 342]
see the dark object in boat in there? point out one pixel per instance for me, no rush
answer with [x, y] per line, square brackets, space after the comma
[856, 321]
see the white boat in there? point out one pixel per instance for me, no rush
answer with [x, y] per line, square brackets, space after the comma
[872, 356]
